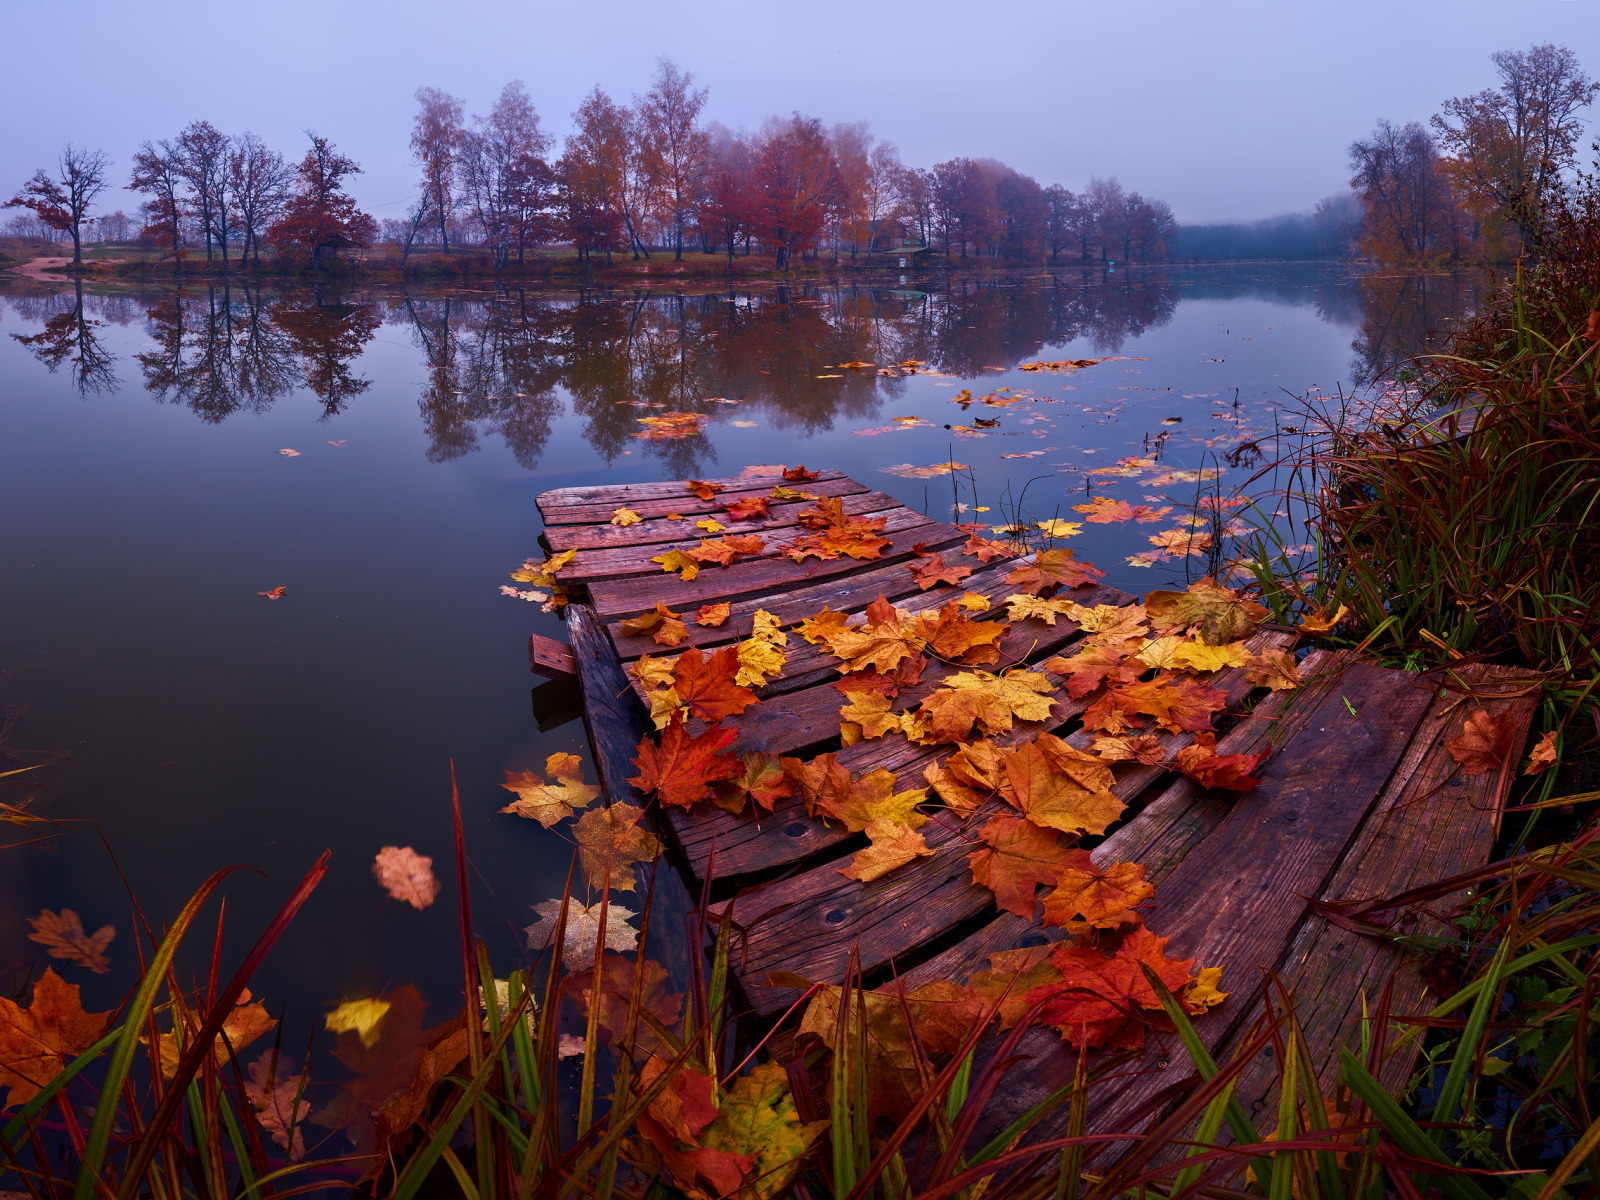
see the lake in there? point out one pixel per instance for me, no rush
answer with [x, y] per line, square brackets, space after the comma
[167, 456]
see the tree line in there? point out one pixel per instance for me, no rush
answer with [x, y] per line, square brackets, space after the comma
[640, 178]
[1481, 178]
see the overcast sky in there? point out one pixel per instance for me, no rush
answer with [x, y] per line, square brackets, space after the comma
[1226, 108]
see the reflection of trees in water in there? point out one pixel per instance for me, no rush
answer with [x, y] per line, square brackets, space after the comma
[68, 339]
[232, 350]
[1404, 316]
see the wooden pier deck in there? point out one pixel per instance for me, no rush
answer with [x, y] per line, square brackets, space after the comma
[1359, 797]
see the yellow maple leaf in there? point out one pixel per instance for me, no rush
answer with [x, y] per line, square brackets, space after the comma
[973, 602]
[1276, 669]
[1202, 993]
[625, 517]
[652, 672]
[360, 1017]
[817, 628]
[1022, 607]
[710, 525]
[1057, 528]
[1201, 656]
[677, 560]
[970, 698]
[893, 845]
[546, 802]
[870, 713]
[758, 658]
[1317, 623]
[768, 628]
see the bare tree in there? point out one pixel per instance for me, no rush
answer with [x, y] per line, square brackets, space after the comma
[436, 139]
[63, 202]
[675, 146]
[1511, 144]
[1408, 202]
[260, 180]
[112, 226]
[203, 152]
[402, 231]
[883, 198]
[505, 176]
[155, 173]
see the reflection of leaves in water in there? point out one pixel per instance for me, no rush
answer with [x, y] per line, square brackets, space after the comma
[69, 339]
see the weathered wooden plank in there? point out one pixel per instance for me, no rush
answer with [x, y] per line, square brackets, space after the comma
[848, 594]
[676, 499]
[621, 493]
[614, 721]
[606, 536]
[590, 566]
[550, 658]
[625, 597]
[824, 916]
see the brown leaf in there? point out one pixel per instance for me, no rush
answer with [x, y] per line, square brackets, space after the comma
[1052, 568]
[62, 934]
[1020, 856]
[955, 637]
[748, 508]
[1060, 787]
[661, 623]
[406, 875]
[1222, 614]
[706, 684]
[550, 803]
[1540, 759]
[931, 570]
[799, 474]
[1276, 669]
[1141, 748]
[702, 489]
[37, 1042]
[610, 841]
[1484, 743]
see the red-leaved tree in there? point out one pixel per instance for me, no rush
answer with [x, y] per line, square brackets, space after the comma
[322, 216]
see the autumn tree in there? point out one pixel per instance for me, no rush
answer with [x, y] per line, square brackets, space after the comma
[591, 174]
[202, 162]
[156, 175]
[883, 196]
[1108, 214]
[1410, 209]
[505, 177]
[437, 134]
[1509, 145]
[797, 180]
[1023, 215]
[321, 215]
[62, 201]
[728, 210]
[673, 144]
[851, 143]
[260, 182]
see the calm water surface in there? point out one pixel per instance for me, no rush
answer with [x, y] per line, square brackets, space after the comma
[145, 500]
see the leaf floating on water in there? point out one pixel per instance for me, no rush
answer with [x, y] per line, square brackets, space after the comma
[1057, 528]
[406, 875]
[37, 1042]
[545, 802]
[63, 936]
[290, 453]
[933, 470]
[1317, 623]
[583, 931]
[672, 426]
[610, 841]
[360, 1017]
[273, 1098]
[277, 593]
[340, 442]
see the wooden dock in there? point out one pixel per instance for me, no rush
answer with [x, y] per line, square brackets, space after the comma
[1359, 797]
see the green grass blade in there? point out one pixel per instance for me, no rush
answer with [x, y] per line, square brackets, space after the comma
[1455, 1082]
[1407, 1134]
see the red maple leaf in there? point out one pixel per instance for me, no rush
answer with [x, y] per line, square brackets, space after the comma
[1202, 763]
[751, 508]
[933, 570]
[706, 684]
[1051, 567]
[682, 768]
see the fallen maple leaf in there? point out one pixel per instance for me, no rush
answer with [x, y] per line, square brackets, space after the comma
[1103, 899]
[710, 525]
[1110, 624]
[1141, 748]
[709, 686]
[360, 1017]
[682, 768]
[1097, 1001]
[872, 715]
[799, 474]
[1180, 705]
[749, 508]
[968, 776]
[1052, 567]
[661, 623]
[1202, 763]
[610, 840]
[62, 935]
[1222, 614]
[1102, 510]
[583, 930]
[723, 551]
[275, 1095]
[620, 979]
[1091, 667]
[703, 489]
[823, 782]
[1201, 657]
[1276, 669]
[1317, 623]
[872, 798]
[1060, 787]
[277, 593]
[762, 779]
[758, 1121]
[973, 602]
[955, 637]
[893, 845]
[545, 802]
[758, 658]
[625, 517]
[1542, 757]
[248, 1021]
[970, 698]
[672, 426]
[1484, 743]
[885, 638]
[985, 549]
[712, 615]
[1020, 856]
[932, 570]
[37, 1042]
[1055, 527]
[407, 875]
[677, 560]
[1023, 607]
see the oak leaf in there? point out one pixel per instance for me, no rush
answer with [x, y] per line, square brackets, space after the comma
[37, 1042]
[712, 615]
[1102, 899]
[1052, 567]
[661, 623]
[63, 937]
[1202, 763]
[703, 489]
[610, 841]
[408, 876]
[1020, 856]
[682, 768]
[583, 931]
[1485, 742]
[1222, 614]
[893, 844]
[625, 517]
[545, 802]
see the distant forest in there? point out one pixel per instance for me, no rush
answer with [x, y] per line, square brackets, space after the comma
[650, 178]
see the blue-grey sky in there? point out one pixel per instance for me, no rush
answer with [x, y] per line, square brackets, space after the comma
[1226, 109]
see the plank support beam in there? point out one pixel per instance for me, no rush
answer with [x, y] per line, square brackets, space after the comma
[550, 658]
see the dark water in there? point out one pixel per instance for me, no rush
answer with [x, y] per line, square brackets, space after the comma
[144, 503]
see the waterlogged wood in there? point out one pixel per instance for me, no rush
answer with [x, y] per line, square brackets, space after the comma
[614, 721]
[562, 500]
[626, 597]
[592, 539]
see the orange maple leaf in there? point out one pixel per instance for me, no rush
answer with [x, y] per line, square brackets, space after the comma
[970, 698]
[1060, 787]
[856, 541]
[1203, 764]
[1098, 1000]
[682, 768]
[750, 508]
[1484, 743]
[702, 489]
[824, 783]
[1141, 748]
[706, 684]
[762, 779]
[37, 1042]
[1103, 510]
[1020, 856]
[933, 570]
[1177, 703]
[986, 549]
[712, 615]
[1102, 899]
[956, 637]
[968, 777]
[799, 474]
[826, 512]
[1052, 567]
[1543, 755]
[1222, 614]
[1091, 667]
[661, 623]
